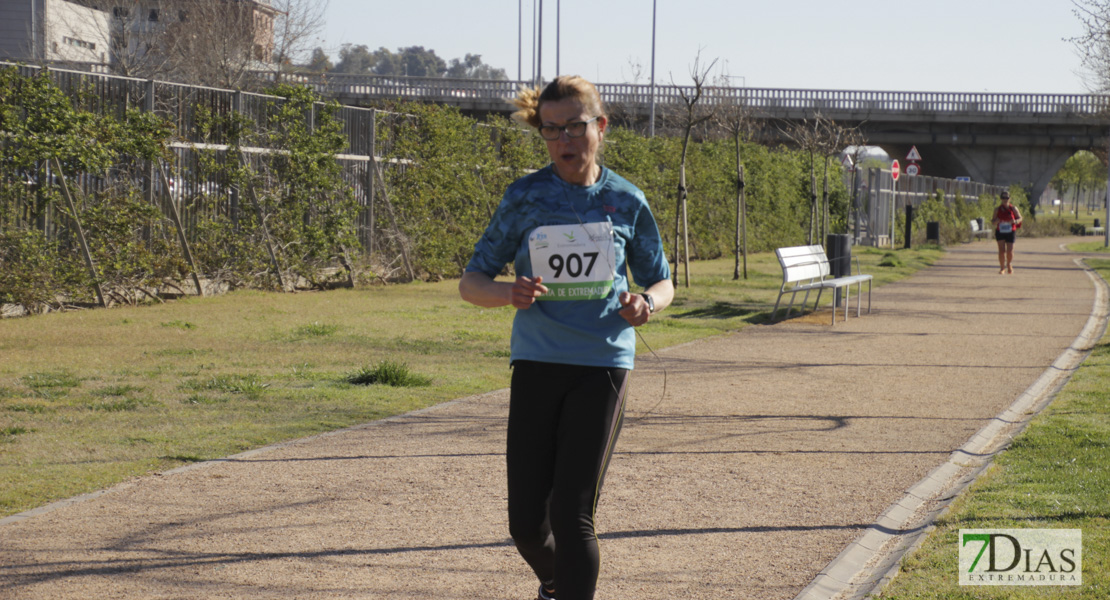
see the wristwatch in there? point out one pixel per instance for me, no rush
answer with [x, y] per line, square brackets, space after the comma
[650, 302]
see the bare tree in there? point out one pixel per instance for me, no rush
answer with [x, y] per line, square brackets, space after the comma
[819, 136]
[296, 28]
[221, 43]
[834, 139]
[736, 118]
[695, 114]
[1094, 45]
[806, 136]
[137, 46]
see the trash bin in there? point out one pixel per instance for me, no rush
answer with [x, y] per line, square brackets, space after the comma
[839, 252]
[1096, 223]
[932, 232]
[909, 224]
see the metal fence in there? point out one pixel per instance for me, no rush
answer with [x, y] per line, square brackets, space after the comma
[882, 199]
[182, 106]
[768, 100]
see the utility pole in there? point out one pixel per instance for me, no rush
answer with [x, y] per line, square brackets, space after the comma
[558, 35]
[539, 48]
[651, 127]
[519, 40]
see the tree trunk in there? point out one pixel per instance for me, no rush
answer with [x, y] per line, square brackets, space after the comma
[80, 231]
[741, 216]
[680, 222]
[812, 200]
[825, 203]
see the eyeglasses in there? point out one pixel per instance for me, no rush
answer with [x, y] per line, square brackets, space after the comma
[574, 130]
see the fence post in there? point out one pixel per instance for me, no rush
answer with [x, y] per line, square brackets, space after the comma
[368, 187]
[148, 179]
[233, 210]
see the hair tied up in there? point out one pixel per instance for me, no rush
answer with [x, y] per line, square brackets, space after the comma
[527, 102]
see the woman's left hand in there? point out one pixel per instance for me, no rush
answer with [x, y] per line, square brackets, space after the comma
[636, 310]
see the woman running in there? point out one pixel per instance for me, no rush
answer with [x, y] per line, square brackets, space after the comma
[572, 231]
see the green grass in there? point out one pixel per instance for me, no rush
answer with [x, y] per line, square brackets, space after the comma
[1096, 246]
[92, 398]
[1055, 475]
[388, 372]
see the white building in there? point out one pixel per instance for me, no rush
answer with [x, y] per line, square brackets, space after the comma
[53, 30]
[104, 32]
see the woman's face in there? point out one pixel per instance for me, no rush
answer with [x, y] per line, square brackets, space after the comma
[575, 158]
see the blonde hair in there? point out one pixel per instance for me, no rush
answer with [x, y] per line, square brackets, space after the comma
[529, 99]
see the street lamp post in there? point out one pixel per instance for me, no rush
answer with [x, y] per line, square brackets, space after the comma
[539, 47]
[651, 127]
[520, 40]
[533, 41]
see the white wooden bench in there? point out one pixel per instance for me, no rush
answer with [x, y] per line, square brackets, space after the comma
[976, 231]
[1096, 230]
[806, 268]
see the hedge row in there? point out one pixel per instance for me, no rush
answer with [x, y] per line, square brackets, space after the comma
[295, 212]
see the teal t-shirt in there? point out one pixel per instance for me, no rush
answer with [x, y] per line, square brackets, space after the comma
[586, 240]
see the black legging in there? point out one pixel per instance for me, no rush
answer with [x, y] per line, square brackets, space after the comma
[563, 424]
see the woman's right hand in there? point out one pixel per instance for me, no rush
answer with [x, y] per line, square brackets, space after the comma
[525, 290]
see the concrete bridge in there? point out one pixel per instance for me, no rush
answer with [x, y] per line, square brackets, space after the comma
[999, 139]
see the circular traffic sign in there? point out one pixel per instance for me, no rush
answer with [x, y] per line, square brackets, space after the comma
[912, 170]
[895, 170]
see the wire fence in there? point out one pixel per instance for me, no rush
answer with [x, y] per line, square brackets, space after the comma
[183, 106]
[882, 198]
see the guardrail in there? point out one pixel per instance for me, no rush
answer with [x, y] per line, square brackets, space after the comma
[769, 99]
[772, 101]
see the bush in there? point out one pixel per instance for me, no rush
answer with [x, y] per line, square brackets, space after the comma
[35, 273]
[388, 373]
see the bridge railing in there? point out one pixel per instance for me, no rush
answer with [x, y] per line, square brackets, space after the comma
[768, 99]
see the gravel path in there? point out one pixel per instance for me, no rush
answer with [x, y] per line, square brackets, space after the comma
[769, 453]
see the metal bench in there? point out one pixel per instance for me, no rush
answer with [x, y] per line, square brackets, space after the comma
[806, 268]
[977, 231]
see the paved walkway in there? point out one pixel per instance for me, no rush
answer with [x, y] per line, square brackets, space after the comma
[789, 460]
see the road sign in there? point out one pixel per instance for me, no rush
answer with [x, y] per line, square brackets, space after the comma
[914, 155]
[912, 170]
[895, 170]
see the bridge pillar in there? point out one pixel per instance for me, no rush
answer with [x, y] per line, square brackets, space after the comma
[988, 161]
[1032, 167]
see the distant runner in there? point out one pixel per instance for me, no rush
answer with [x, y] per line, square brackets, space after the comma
[1006, 222]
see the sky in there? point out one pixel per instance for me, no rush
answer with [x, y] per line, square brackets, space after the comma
[997, 46]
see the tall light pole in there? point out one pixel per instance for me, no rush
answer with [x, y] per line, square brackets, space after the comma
[558, 34]
[519, 40]
[651, 127]
[533, 41]
[539, 47]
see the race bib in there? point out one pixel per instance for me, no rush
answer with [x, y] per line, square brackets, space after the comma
[1006, 227]
[577, 262]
